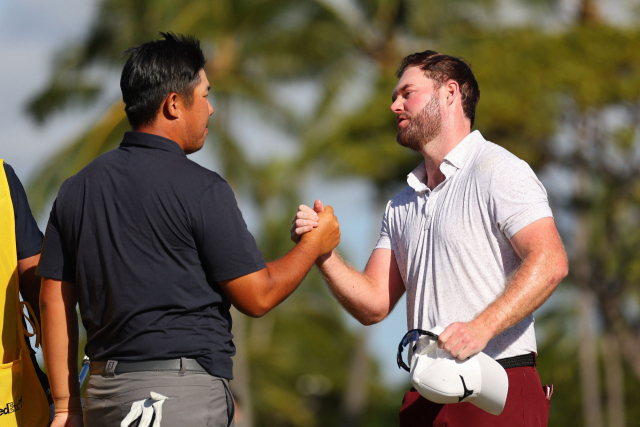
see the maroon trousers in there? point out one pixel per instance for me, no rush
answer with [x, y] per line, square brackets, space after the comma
[526, 406]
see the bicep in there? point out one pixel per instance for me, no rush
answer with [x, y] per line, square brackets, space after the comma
[55, 292]
[27, 264]
[241, 290]
[540, 235]
[382, 268]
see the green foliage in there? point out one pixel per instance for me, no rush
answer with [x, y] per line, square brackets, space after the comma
[363, 144]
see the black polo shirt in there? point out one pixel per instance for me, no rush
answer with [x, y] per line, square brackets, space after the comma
[146, 235]
[28, 235]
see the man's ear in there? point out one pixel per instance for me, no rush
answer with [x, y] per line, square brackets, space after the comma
[452, 90]
[171, 106]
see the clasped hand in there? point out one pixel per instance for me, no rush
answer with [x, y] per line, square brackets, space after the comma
[320, 218]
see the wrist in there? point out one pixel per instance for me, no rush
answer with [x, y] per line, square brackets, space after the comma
[481, 324]
[323, 259]
[308, 244]
[68, 405]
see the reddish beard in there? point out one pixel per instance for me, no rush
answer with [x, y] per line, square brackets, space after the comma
[423, 128]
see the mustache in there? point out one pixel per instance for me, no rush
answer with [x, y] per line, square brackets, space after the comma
[402, 117]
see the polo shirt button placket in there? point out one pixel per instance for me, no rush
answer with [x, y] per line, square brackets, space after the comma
[427, 213]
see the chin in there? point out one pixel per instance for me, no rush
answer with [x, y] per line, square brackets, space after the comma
[194, 147]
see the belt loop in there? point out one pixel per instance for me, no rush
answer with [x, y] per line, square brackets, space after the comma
[110, 368]
[535, 358]
[183, 366]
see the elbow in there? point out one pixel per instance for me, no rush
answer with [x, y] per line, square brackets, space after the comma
[255, 310]
[368, 321]
[562, 268]
[371, 317]
[560, 271]
[43, 302]
[257, 313]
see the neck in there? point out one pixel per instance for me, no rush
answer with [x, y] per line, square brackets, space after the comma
[435, 151]
[168, 132]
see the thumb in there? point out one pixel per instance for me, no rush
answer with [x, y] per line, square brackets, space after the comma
[318, 206]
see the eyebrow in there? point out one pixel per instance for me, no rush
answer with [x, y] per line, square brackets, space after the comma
[394, 95]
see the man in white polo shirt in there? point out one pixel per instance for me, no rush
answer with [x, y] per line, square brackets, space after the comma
[471, 240]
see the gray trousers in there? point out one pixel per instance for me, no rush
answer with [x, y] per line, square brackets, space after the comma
[194, 399]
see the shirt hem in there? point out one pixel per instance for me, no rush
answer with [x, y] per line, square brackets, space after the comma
[527, 217]
[238, 273]
[33, 250]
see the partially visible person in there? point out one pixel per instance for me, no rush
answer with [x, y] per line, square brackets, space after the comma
[24, 395]
[155, 250]
[471, 240]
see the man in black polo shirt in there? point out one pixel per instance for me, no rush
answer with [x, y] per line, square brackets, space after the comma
[154, 249]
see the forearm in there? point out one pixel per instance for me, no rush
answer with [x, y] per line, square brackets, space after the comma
[257, 293]
[30, 283]
[357, 292]
[60, 343]
[535, 280]
[285, 274]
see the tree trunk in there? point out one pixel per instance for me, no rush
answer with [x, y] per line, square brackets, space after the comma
[588, 358]
[588, 14]
[355, 397]
[614, 380]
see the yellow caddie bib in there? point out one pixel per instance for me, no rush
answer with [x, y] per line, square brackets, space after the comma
[22, 399]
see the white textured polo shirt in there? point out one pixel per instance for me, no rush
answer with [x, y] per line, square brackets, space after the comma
[452, 244]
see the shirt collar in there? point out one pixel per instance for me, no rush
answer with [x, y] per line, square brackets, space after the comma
[458, 156]
[417, 179]
[453, 161]
[149, 140]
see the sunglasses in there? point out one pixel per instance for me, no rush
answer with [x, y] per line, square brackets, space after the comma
[410, 337]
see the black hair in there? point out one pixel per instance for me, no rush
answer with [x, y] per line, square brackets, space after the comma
[154, 70]
[440, 68]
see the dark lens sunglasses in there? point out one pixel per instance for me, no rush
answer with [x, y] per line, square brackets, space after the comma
[411, 336]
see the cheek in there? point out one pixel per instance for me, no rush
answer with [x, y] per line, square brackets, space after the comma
[414, 105]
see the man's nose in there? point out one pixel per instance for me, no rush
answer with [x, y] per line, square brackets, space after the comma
[396, 106]
[210, 108]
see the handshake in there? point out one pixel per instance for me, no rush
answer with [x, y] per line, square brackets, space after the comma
[319, 226]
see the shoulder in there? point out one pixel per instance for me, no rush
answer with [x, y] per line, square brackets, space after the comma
[208, 177]
[12, 179]
[402, 199]
[195, 180]
[9, 172]
[15, 186]
[16, 189]
[494, 161]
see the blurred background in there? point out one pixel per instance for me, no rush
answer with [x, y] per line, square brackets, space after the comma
[301, 91]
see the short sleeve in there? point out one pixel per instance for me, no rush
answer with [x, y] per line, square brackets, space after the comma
[517, 197]
[28, 235]
[384, 241]
[56, 261]
[225, 246]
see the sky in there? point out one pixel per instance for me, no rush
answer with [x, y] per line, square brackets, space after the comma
[33, 31]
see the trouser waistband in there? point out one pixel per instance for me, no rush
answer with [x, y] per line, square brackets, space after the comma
[112, 367]
[518, 361]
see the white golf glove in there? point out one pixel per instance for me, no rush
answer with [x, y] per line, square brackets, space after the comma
[146, 408]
